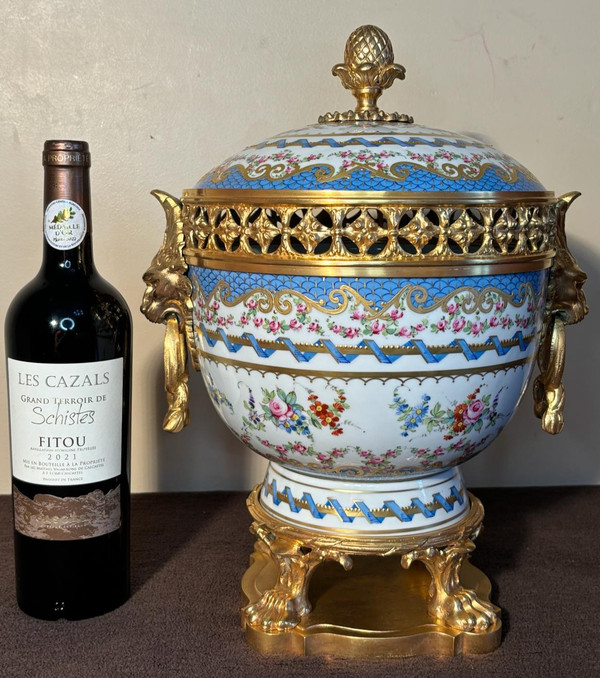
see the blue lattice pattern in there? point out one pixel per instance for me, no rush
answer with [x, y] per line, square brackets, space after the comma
[389, 510]
[377, 291]
[418, 179]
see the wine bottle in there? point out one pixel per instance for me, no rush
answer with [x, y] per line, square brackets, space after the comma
[68, 346]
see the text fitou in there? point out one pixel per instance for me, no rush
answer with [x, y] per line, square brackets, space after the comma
[62, 381]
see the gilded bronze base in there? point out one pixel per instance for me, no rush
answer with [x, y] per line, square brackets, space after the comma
[379, 607]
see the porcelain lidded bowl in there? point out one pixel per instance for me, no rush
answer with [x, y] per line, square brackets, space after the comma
[366, 298]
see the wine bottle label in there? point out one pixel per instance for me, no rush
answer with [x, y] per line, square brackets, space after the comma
[67, 518]
[65, 421]
[65, 224]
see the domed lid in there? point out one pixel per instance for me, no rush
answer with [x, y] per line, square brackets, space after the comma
[370, 150]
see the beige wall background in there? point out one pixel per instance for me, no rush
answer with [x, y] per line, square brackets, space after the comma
[163, 91]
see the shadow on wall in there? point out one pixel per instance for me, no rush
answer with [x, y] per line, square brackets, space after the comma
[205, 455]
[526, 455]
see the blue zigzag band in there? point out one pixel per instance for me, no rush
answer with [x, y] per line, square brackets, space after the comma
[347, 356]
[438, 500]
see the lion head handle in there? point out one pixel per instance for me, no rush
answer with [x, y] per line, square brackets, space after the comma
[167, 299]
[566, 305]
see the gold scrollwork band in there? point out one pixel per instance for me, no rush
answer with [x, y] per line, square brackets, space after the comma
[414, 297]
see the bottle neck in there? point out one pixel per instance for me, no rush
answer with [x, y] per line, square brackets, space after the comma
[60, 228]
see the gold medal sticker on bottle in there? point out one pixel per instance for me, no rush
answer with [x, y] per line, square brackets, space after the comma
[65, 224]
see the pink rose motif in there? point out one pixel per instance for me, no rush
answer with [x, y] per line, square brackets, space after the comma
[415, 156]
[381, 165]
[274, 326]
[364, 453]
[375, 460]
[279, 409]
[279, 156]
[364, 156]
[215, 305]
[295, 324]
[301, 308]
[209, 316]
[281, 449]
[262, 159]
[505, 321]
[258, 322]
[474, 411]
[419, 327]
[499, 305]
[452, 308]
[289, 170]
[405, 332]
[337, 453]
[314, 327]
[377, 327]
[351, 332]
[458, 324]
[358, 315]
[244, 319]
[396, 314]
[390, 453]
[446, 155]
[300, 448]
[294, 160]
[346, 163]
[421, 452]
[312, 156]
[494, 322]
[438, 451]
[322, 456]
[337, 329]
[251, 303]
[384, 154]
[442, 324]
[476, 327]
[525, 323]
[266, 443]
[221, 321]
[430, 158]
[345, 154]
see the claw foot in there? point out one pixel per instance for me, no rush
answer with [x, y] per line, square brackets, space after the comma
[463, 610]
[275, 611]
[449, 601]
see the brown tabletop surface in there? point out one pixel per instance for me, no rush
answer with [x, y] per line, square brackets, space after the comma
[540, 548]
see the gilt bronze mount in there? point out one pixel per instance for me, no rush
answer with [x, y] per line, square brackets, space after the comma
[445, 602]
